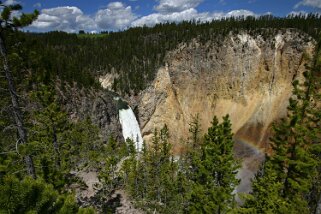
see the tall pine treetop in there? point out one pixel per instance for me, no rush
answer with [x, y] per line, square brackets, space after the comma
[8, 21]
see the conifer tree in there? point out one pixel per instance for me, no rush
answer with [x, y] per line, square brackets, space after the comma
[8, 24]
[49, 120]
[159, 165]
[216, 167]
[48, 125]
[114, 155]
[193, 147]
[35, 196]
[111, 164]
[152, 175]
[295, 157]
[129, 169]
[194, 130]
[314, 134]
[142, 178]
[265, 197]
[187, 165]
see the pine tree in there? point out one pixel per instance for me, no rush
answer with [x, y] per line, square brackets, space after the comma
[195, 130]
[265, 197]
[187, 165]
[295, 157]
[193, 147]
[111, 164]
[35, 196]
[159, 167]
[215, 178]
[314, 196]
[129, 168]
[49, 119]
[114, 161]
[48, 124]
[153, 175]
[82, 145]
[9, 25]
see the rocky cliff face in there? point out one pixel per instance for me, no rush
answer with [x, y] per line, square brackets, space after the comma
[246, 76]
[99, 105]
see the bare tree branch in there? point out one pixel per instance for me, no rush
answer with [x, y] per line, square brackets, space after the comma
[10, 127]
[17, 147]
[3, 153]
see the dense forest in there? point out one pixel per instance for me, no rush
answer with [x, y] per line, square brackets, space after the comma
[42, 145]
[135, 54]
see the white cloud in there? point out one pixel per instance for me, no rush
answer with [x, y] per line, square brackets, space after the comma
[179, 10]
[37, 5]
[115, 16]
[310, 3]
[295, 13]
[14, 13]
[118, 16]
[10, 2]
[237, 13]
[70, 19]
[155, 18]
[189, 14]
[172, 6]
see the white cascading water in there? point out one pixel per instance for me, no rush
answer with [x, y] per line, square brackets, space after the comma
[130, 127]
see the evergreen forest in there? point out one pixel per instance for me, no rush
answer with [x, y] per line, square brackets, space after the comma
[43, 147]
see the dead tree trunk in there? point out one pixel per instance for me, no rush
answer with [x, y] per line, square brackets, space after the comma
[17, 114]
[56, 147]
[318, 209]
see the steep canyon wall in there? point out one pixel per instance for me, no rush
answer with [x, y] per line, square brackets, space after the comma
[244, 75]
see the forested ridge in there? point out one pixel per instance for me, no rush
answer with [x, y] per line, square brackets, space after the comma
[43, 146]
[135, 54]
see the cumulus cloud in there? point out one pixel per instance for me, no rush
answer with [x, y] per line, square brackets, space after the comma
[69, 19]
[189, 14]
[173, 6]
[295, 13]
[179, 10]
[118, 16]
[309, 3]
[37, 5]
[10, 2]
[237, 13]
[115, 16]
[156, 18]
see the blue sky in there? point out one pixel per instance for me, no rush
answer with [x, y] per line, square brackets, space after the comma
[98, 15]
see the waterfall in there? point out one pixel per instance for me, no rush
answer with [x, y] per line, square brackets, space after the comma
[130, 127]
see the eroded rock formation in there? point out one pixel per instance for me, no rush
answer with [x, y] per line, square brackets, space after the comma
[246, 76]
[97, 104]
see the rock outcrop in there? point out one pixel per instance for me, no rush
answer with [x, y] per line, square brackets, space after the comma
[244, 75]
[97, 104]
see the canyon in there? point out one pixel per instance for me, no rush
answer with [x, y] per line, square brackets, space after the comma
[244, 75]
